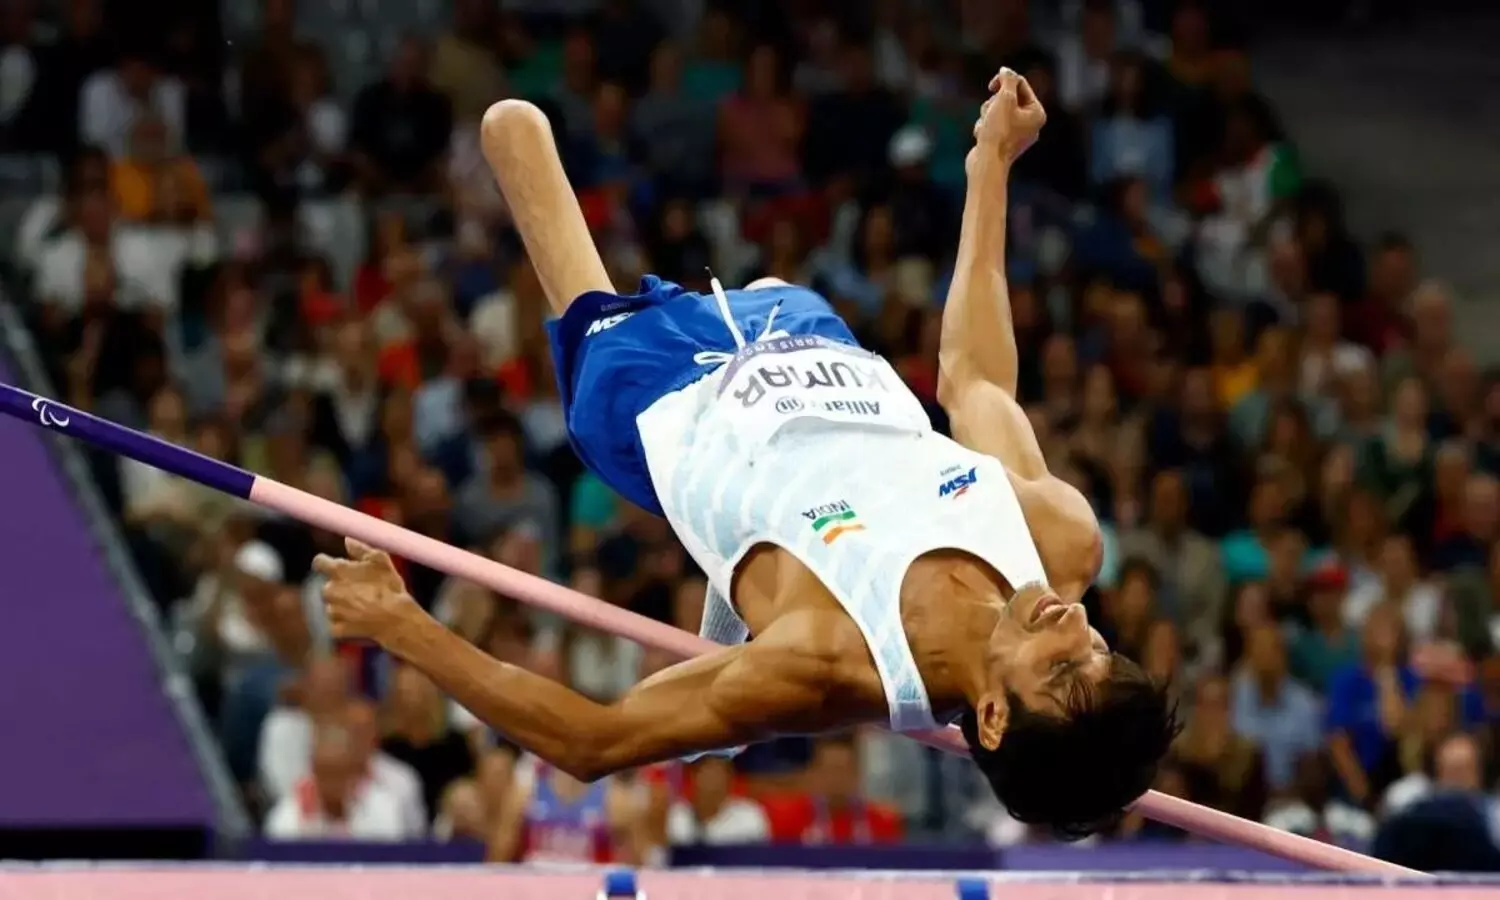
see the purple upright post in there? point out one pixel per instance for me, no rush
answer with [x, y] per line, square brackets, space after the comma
[59, 417]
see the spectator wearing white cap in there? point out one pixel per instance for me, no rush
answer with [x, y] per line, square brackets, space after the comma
[227, 626]
[229, 601]
[258, 571]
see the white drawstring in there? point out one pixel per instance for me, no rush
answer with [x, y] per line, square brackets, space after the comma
[719, 357]
[723, 300]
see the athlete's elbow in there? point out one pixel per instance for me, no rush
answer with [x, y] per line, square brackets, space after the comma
[588, 756]
[945, 391]
[955, 372]
[588, 770]
[596, 754]
[959, 368]
[584, 761]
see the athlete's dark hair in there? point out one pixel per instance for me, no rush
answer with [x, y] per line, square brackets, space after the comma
[1076, 774]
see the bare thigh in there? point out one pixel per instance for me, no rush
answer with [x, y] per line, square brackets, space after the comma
[518, 144]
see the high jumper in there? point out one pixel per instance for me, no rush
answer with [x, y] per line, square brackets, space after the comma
[887, 573]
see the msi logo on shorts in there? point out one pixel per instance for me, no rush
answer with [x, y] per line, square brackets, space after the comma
[606, 323]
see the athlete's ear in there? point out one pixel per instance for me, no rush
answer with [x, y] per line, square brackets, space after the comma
[993, 714]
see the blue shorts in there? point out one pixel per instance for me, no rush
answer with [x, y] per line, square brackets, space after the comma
[616, 355]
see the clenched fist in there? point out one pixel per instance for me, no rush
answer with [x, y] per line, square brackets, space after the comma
[364, 597]
[1010, 120]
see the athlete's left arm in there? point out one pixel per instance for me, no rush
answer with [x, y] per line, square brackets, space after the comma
[733, 696]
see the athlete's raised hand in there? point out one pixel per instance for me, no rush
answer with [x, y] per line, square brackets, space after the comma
[364, 596]
[1011, 119]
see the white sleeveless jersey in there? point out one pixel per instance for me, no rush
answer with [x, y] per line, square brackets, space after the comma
[821, 449]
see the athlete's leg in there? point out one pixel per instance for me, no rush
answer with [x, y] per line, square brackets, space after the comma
[517, 141]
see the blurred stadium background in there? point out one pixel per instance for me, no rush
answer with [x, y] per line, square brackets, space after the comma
[1250, 271]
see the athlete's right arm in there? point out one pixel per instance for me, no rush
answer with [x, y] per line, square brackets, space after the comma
[737, 695]
[734, 696]
[977, 357]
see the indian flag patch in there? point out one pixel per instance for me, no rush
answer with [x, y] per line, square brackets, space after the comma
[832, 521]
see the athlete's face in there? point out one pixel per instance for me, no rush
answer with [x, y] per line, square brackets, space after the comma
[1046, 654]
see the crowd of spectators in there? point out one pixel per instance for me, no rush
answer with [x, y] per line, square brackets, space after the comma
[1293, 459]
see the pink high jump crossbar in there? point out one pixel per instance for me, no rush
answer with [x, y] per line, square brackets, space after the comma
[330, 516]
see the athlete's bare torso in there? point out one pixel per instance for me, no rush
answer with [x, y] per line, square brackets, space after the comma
[773, 590]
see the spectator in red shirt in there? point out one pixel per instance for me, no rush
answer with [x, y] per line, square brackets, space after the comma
[372, 280]
[833, 809]
[1381, 320]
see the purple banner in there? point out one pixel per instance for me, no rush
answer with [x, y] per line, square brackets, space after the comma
[450, 853]
[905, 857]
[1142, 856]
[91, 739]
[1131, 856]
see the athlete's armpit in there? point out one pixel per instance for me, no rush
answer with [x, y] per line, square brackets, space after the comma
[987, 419]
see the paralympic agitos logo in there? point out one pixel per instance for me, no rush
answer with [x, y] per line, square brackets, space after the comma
[48, 414]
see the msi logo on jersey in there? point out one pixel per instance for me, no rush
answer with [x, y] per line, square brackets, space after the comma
[958, 484]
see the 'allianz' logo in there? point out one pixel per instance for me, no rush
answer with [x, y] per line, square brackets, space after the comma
[956, 486]
[606, 323]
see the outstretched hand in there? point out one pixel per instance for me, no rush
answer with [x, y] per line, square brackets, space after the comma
[364, 596]
[1010, 120]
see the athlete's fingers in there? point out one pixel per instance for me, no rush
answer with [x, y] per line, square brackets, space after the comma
[359, 550]
[1007, 82]
[1025, 96]
[999, 78]
[324, 564]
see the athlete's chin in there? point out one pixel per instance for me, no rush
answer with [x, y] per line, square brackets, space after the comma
[1072, 591]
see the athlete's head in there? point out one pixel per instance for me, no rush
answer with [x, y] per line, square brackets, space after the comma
[1068, 734]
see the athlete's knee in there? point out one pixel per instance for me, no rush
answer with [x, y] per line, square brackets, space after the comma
[767, 282]
[509, 118]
